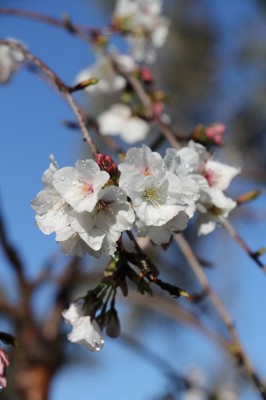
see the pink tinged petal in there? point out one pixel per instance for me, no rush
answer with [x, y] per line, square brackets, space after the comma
[219, 175]
[4, 363]
[3, 382]
[79, 186]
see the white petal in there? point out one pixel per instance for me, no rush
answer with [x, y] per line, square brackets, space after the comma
[74, 311]
[87, 332]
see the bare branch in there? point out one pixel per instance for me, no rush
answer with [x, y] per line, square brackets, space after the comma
[61, 86]
[237, 349]
[254, 255]
[11, 254]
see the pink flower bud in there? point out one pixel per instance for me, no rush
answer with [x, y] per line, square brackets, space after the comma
[107, 164]
[158, 108]
[146, 75]
[215, 132]
[4, 363]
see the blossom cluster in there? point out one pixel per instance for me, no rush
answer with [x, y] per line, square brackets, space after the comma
[145, 30]
[143, 25]
[89, 206]
[87, 213]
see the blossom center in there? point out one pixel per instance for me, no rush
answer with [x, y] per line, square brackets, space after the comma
[87, 188]
[152, 195]
[210, 176]
[146, 172]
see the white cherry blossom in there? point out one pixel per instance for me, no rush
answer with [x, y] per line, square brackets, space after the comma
[157, 200]
[51, 209]
[79, 186]
[212, 177]
[118, 120]
[214, 206]
[140, 161]
[85, 330]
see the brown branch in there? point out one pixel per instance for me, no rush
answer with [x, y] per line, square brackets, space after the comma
[237, 349]
[9, 310]
[61, 86]
[147, 103]
[12, 255]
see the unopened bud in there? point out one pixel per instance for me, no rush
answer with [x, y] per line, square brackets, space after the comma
[4, 363]
[249, 196]
[146, 75]
[107, 164]
[82, 85]
[210, 134]
[215, 133]
[112, 324]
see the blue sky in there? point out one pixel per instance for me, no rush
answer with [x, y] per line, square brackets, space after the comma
[31, 129]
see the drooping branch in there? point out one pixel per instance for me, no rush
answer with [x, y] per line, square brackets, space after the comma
[254, 255]
[61, 86]
[237, 349]
[83, 32]
[12, 255]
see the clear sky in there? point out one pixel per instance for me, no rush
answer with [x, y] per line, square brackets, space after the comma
[31, 129]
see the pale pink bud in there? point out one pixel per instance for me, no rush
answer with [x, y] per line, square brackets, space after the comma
[158, 108]
[146, 75]
[215, 132]
[4, 363]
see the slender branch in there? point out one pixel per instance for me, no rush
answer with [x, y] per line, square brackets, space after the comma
[238, 239]
[175, 312]
[236, 347]
[61, 86]
[147, 103]
[83, 32]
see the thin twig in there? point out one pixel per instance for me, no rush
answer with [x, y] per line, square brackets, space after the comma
[146, 101]
[237, 349]
[61, 86]
[83, 32]
[238, 239]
